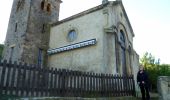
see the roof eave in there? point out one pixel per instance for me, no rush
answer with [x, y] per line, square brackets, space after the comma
[79, 14]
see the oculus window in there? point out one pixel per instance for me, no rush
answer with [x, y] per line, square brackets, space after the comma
[72, 35]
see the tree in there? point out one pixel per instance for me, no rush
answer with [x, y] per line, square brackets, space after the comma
[154, 68]
[148, 60]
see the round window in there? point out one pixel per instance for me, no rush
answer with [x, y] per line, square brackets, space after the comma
[72, 35]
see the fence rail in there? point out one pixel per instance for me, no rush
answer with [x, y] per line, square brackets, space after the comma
[28, 80]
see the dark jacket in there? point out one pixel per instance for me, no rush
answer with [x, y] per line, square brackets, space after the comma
[143, 77]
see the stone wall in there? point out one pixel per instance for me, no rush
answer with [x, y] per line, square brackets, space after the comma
[163, 86]
[16, 30]
[135, 70]
[28, 29]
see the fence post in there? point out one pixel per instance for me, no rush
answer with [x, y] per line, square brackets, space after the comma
[128, 79]
[127, 85]
[94, 84]
[51, 81]
[63, 81]
[81, 84]
[134, 92]
[66, 82]
[33, 88]
[55, 82]
[102, 84]
[90, 85]
[28, 83]
[113, 87]
[13, 78]
[110, 85]
[71, 82]
[118, 85]
[97, 84]
[4, 64]
[8, 70]
[85, 84]
[23, 79]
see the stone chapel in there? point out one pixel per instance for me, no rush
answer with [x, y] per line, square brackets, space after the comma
[99, 39]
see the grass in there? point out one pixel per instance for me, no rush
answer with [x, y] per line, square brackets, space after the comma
[7, 97]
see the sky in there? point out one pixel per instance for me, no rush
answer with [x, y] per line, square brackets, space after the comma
[150, 20]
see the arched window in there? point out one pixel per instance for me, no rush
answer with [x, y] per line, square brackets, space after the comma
[42, 5]
[130, 61]
[117, 54]
[123, 52]
[49, 7]
[122, 38]
[40, 57]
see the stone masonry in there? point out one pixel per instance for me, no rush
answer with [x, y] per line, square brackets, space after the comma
[163, 84]
[28, 30]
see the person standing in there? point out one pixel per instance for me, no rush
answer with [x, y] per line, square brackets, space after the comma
[143, 82]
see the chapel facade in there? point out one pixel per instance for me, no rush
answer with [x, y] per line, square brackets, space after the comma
[98, 40]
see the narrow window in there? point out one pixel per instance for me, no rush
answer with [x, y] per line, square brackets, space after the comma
[42, 5]
[43, 28]
[18, 5]
[49, 7]
[130, 61]
[117, 54]
[123, 52]
[40, 57]
[11, 53]
[16, 27]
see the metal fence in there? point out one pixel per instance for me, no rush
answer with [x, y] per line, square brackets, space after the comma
[30, 81]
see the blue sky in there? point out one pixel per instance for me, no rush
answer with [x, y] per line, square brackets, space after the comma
[150, 20]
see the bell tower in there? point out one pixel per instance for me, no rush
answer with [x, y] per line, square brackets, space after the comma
[28, 30]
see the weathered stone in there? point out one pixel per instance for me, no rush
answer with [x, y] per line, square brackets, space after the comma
[163, 86]
[28, 29]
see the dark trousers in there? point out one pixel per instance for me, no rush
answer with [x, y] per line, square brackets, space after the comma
[145, 92]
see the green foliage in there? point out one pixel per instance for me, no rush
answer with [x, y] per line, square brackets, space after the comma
[148, 60]
[154, 69]
[1, 50]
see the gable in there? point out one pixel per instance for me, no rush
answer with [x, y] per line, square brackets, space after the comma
[126, 17]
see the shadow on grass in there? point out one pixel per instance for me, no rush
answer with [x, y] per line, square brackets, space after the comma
[8, 97]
